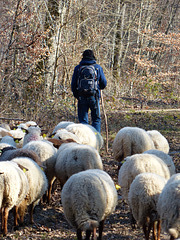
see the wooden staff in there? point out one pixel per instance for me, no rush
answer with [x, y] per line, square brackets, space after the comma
[106, 123]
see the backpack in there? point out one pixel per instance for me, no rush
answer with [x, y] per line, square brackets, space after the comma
[87, 81]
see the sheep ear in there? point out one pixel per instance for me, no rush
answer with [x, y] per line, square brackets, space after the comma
[1, 173]
[22, 167]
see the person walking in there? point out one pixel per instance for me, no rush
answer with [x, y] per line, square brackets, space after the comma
[87, 81]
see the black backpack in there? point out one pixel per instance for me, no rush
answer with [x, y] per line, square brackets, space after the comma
[87, 81]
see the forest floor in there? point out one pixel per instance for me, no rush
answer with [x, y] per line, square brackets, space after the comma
[50, 222]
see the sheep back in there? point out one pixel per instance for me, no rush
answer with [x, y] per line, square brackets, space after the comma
[143, 196]
[88, 197]
[140, 163]
[169, 206]
[75, 158]
[13, 185]
[36, 178]
[84, 133]
[129, 141]
[165, 157]
[160, 142]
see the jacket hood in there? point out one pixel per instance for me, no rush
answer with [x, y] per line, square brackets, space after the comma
[87, 62]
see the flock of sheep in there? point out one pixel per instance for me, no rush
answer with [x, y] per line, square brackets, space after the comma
[30, 163]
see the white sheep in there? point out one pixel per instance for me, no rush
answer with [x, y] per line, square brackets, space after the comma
[61, 125]
[64, 135]
[88, 198]
[129, 141]
[140, 163]
[8, 140]
[169, 207]
[75, 158]
[142, 198]
[86, 134]
[18, 134]
[13, 189]
[160, 142]
[38, 184]
[165, 157]
[47, 154]
[33, 134]
[4, 132]
[27, 124]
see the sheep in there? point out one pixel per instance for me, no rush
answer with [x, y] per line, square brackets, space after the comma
[33, 134]
[160, 142]
[47, 154]
[165, 157]
[27, 124]
[169, 207]
[139, 163]
[11, 153]
[88, 198]
[129, 141]
[143, 197]
[5, 126]
[63, 134]
[4, 132]
[18, 134]
[8, 140]
[75, 158]
[85, 134]
[61, 125]
[13, 189]
[38, 185]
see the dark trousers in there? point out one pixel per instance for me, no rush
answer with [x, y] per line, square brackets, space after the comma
[84, 104]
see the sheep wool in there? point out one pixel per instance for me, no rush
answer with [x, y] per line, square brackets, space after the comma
[160, 142]
[13, 189]
[37, 180]
[169, 207]
[47, 154]
[75, 158]
[129, 141]
[85, 134]
[33, 134]
[165, 157]
[143, 197]
[64, 135]
[140, 163]
[8, 140]
[88, 197]
[61, 125]
[10, 153]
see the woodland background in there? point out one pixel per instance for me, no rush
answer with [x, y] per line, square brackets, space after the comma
[137, 43]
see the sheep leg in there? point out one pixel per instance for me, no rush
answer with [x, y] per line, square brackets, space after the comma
[5, 216]
[15, 216]
[94, 234]
[79, 234]
[158, 229]
[2, 219]
[146, 230]
[88, 234]
[154, 231]
[49, 192]
[31, 209]
[101, 227]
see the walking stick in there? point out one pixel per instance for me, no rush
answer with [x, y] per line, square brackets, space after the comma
[106, 123]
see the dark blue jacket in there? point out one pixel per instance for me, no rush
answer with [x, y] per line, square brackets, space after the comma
[101, 80]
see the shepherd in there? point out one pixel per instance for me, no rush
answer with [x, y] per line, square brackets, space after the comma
[87, 82]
